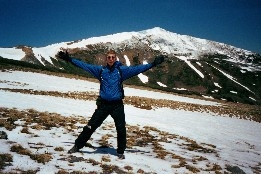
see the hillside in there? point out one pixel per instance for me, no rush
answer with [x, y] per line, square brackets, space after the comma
[42, 115]
[195, 66]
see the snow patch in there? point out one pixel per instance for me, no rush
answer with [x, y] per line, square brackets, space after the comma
[127, 60]
[217, 85]
[12, 53]
[185, 59]
[143, 78]
[161, 84]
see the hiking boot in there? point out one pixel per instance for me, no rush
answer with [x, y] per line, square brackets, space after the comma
[121, 156]
[73, 149]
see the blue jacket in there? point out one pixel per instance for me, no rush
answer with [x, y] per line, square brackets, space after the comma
[110, 78]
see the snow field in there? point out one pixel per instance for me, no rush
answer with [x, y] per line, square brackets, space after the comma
[234, 141]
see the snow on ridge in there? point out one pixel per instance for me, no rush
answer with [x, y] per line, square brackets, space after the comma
[231, 78]
[217, 85]
[156, 38]
[185, 59]
[141, 76]
[113, 38]
[161, 84]
[159, 39]
[12, 53]
[127, 60]
[46, 52]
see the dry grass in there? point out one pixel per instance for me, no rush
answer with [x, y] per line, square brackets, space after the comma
[40, 158]
[106, 158]
[154, 139]
[104, 140]
[112, 169]
[128, 168]
[5, 160]
[242, 111]
[192, 169]
[59, 149]
[146, 137]
[25, 130]
[40, 120]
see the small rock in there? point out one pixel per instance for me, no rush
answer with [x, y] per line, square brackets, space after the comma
[3, 135]
[235, 169]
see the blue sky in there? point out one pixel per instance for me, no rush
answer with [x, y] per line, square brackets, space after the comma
[39, 23]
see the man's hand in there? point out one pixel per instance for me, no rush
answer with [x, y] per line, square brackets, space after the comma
[159, 59]
[64, 55]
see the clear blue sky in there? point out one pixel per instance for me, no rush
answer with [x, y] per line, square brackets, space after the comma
[39, 23]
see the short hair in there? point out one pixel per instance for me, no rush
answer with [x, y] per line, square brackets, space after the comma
[111, 52]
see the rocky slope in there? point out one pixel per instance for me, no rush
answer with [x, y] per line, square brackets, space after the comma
[195, 66]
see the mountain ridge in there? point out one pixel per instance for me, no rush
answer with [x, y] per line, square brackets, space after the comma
[196, 65]
[182, 44]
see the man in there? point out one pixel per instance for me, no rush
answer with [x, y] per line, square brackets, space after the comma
[110, 97]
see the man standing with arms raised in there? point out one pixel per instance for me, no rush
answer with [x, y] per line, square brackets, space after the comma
[110, 97]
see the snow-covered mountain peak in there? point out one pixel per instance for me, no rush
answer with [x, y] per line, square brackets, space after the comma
[153, 31]
[203, 57]
[156, 39]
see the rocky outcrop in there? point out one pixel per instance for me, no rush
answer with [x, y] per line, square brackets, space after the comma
[29, 55]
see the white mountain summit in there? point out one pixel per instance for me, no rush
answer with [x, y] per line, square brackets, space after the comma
[155, 38]
[197, 66]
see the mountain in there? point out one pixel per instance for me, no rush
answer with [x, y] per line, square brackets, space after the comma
[195, 66]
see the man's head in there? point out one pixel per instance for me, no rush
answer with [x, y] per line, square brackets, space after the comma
[111, 57]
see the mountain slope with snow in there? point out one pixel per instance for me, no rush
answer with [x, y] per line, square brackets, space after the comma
[156, 38]
[41, 128]
[194, 65]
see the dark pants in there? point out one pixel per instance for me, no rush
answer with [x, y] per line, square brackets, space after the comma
[116, 110]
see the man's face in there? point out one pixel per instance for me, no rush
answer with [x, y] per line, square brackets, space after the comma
[111, 59]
